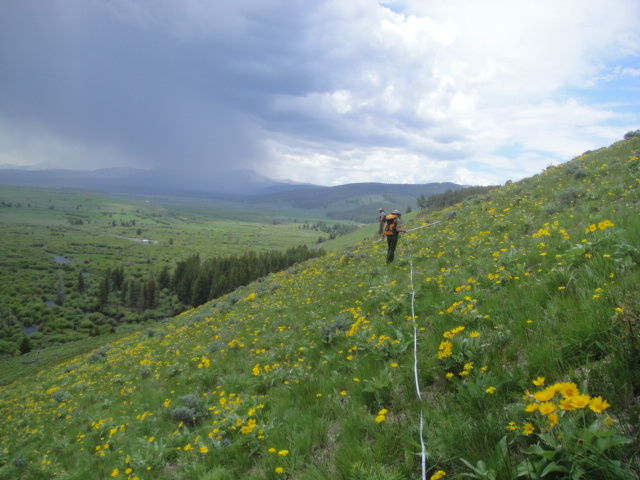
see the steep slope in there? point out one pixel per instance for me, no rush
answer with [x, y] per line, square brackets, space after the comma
[311, 373]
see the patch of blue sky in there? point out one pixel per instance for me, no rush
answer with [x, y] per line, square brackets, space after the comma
[509, 151]
[617, 89]
[394, 6]
[516, 169]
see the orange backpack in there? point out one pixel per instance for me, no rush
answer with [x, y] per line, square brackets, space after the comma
[390, 225]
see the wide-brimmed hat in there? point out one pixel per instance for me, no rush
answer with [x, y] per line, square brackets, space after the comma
[396, 212]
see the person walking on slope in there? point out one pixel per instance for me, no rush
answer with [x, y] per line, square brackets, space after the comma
[392, 231]
[381, 217]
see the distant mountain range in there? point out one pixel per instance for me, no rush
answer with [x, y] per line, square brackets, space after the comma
[348, 202]
[149, 182]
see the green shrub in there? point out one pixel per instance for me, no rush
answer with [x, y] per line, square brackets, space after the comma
[192, 412]
[329, 332]
[99, 354]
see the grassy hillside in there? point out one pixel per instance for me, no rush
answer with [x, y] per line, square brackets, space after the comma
[505, 338]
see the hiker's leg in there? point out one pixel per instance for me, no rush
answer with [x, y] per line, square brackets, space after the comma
[392, 241]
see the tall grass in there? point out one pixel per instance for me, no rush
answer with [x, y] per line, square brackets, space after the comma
[309, 374]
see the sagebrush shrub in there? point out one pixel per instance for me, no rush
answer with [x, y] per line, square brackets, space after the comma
[331, 330]
[192, 412]
[99, 354]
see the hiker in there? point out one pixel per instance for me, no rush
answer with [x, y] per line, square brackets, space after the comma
[381, 216]
[392, 232]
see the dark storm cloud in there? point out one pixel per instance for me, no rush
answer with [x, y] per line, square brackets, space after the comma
[94, 74]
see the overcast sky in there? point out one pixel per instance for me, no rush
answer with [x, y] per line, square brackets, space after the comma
[327, 92]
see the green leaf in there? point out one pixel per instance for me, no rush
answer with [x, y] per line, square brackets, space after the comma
[500, 457]
[481, 471]
[554, 467]
[538, 450]
[529, 468]
[612, 441]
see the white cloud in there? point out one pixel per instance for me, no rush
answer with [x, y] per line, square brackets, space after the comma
[471, 77]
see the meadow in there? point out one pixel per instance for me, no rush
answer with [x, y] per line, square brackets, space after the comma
[502, 343]
[60, 244]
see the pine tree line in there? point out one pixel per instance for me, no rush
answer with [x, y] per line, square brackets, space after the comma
[450, 197]
[196, 281]
[138, 295]
[334, 230]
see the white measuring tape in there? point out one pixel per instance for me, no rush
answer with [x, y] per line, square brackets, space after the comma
[429, 225]
[415, 358]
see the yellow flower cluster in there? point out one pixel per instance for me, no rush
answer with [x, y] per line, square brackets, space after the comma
[381, 415]
[560, 397]
[600, 226]
[446, 347]
[462, 306]
[453, 332]
[248, 428]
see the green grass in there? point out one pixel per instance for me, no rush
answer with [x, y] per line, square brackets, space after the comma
[25, 366]
[309, 373]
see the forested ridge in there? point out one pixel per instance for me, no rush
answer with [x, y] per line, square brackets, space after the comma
[451, 197]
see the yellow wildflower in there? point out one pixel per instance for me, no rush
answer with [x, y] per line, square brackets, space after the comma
[545, 395]
[597, 404]
[546, 408]
[568, 389]
[531, 407]
[580, 401]
[538, 381]
[512, 426]
[565, 404]
[438, 475]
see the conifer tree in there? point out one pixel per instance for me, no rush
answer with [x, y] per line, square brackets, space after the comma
[81, 286]
[164, 280]
[60, 291]
[25, 346]
[150, 297]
